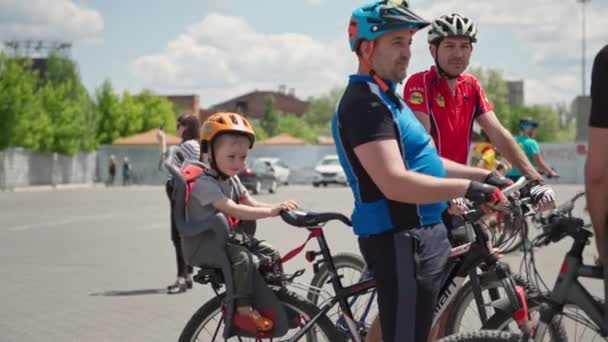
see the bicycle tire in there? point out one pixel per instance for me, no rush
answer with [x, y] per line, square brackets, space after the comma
[213, 307]
[499, 319]
[341, 261]
[483, 336]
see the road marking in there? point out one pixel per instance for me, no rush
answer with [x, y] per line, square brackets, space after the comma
[59, 222]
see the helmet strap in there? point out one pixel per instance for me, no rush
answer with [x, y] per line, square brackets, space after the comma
[366, 63]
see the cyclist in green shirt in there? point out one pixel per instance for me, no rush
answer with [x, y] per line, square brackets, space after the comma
[525, 139]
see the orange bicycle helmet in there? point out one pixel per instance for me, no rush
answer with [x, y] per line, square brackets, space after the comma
[226, 122]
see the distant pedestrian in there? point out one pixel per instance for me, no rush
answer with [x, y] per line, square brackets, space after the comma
[126, 172]
[111, 170]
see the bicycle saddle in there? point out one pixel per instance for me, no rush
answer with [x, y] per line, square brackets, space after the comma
[300, 218]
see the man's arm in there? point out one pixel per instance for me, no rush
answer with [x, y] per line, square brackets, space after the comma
[506, 144]
[596, 187]
[540, 161]
[456, 170]
[424, 120]
[382, 161]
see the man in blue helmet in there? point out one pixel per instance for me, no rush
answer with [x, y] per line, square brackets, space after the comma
[398, 180]
[525, 139]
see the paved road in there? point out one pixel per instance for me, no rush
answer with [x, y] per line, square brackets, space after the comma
[92, 264]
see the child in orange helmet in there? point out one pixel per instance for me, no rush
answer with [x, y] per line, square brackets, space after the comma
[226, 139]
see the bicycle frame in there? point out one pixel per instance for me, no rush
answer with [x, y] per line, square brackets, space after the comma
[464, 261]
[568, 290]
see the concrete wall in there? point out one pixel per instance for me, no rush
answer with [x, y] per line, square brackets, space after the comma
[145, 160]
[20, 168]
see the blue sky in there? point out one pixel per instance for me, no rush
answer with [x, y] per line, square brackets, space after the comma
[223, 48]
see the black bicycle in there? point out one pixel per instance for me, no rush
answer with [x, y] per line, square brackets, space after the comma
[494, 292]
[569, 301]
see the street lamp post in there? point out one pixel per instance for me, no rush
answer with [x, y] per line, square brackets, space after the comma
[583, 45]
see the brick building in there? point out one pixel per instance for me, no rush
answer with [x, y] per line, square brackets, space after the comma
[252, 104]
[185, 103]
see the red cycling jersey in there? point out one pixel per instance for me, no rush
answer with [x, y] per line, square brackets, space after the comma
[451, 116]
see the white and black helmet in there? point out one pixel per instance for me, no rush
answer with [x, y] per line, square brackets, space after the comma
[452, 25]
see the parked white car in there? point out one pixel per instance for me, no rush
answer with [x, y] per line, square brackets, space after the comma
[329, 171]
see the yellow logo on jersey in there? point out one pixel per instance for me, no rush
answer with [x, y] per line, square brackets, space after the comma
[440, 101]
[416, 98]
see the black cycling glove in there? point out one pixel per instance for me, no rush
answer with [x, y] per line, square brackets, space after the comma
[480, 193]
[493, 178]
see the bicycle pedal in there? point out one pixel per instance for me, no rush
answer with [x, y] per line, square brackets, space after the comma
[291, 277]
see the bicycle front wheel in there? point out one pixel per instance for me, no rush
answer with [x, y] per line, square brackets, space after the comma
[464, 315]
[207, 323]
[484, 336]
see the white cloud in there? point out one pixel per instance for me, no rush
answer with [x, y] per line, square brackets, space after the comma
[222, 56]
[43, 19]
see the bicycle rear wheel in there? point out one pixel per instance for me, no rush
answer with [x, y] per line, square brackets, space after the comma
[352, 269]
[207, 323]
[483, 336]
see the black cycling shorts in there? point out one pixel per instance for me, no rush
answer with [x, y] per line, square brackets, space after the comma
[408, 266]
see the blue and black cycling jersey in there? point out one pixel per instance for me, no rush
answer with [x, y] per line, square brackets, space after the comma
[365, 113]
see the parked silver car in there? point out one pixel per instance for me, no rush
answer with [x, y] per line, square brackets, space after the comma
[329, 171]
[265, 174]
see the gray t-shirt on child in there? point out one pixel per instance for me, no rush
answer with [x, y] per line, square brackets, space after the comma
[207, 190]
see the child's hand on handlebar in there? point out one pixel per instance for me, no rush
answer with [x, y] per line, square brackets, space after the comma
[283, 206]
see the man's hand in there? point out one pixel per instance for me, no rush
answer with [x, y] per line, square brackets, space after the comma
[497, 180]
[458, 206]
[160, 136]
[480, 193]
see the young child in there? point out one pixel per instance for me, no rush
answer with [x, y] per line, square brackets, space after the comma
[226, 140]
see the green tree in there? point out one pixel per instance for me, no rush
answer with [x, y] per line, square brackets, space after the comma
[260, 133]
[107, 105]
[495, 88]
[549, 129]
[73, 117]
[131, 111]
[296, 127]
[157, 111]
[270, 121]
[23, 123]
[66, 117]
[321, 109]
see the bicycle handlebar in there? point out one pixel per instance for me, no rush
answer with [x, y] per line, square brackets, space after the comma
[476, 214]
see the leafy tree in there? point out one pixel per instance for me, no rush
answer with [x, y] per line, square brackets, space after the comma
[132, 112]
[66, 119]
[157, 111]
[495, 88]
[22, 121]
[107, 105]
[270, 121]
[297, 127]
[260, 133]
[67, 102]
[548, 117]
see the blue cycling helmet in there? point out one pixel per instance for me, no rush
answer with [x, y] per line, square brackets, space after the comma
[526, 123]
[374, 19]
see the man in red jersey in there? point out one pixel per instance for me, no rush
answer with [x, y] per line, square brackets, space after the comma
[447, 102]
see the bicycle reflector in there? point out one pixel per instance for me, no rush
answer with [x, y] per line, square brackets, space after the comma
[311, 256]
